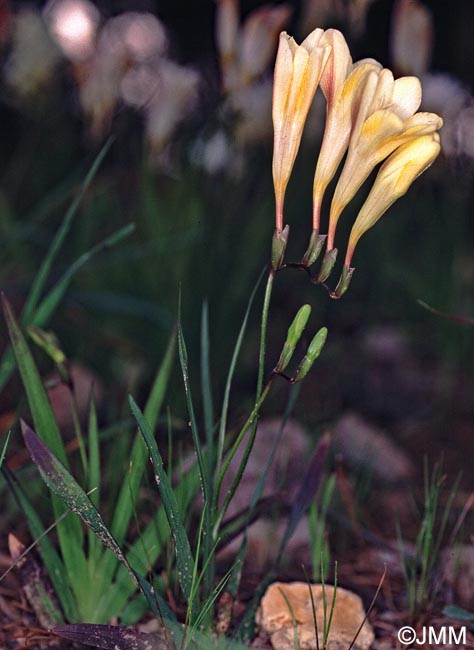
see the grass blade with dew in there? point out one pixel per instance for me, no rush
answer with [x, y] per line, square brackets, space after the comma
[204, 471]
[128, 494]
[7, 363]
[62, 483]
[154, 538]
[69, 530]
[184, 558]
[93, 478]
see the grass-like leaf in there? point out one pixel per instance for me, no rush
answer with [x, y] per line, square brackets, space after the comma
[69, 529]
[184, 558]
[61, 482]
[112, 636]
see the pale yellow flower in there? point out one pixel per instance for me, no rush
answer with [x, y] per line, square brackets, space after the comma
[342, 84]
[386, 119]
[393, 180]
[298, 70]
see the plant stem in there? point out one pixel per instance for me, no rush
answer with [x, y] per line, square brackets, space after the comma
[253, 417]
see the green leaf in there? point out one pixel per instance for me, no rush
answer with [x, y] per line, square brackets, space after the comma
[47, 306]
[41, 411]
[69, 530]
[62, 483]
[184, 558]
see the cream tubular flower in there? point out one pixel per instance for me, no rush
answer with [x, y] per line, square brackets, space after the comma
[298, 70]
[342, 85]
[386, 120]
[393, 180]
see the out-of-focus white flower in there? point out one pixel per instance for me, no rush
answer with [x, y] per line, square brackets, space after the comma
[213, 154]
[254, 108]
[127, 54]
[175, 97]
[34, 56]
[73, 25]
[142, 35]
[411, 37]
[246, 52]
[448, 97]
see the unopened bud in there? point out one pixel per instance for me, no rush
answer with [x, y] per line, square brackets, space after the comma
[344, 281]
[294, 334]
[312, 354]
[315, 247]
[280, 239]
[326, 267]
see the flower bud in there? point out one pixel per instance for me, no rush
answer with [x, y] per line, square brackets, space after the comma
[312, 354]
[294, 334]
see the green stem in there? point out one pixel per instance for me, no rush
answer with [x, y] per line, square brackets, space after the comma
[252, 419]
[260, 397]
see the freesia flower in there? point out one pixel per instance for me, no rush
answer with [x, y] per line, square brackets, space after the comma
[393, 180]
[298, 70]
[386, 119]
[341, 83]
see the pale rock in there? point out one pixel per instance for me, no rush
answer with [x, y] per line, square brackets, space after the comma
[276, 620]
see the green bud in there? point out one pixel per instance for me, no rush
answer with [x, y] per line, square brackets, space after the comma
[326, 267]
[294, 334]
[315, 247]
[312, 354]
[279, 242]
[344, 281]
[48, 342]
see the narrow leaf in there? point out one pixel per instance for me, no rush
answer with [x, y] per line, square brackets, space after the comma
[184, 558]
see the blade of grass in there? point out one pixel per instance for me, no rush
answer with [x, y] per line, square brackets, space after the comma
[205, 472]
[61, 482]
[184, 558]
[128, 494]
[53, 298]
[69, 530]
